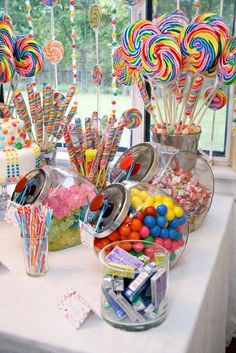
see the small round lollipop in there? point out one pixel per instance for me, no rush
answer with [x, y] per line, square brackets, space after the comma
[226, 69]
[201, 44]
[218, 101]
[132, 118]
[132, 2]
[97, 75]
[7, 64]
[95, 16]
[50, 3]
[6, 35]
[28, 56]
[53, 51]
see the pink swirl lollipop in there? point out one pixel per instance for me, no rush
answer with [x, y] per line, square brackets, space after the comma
[28, 56]
[7, 64]
[132, 118]
[201, 44]
[133, 38]
[226, 70]
[53, 51]
[161, 58]
[218, 101]
[6, 35]
[97, 75]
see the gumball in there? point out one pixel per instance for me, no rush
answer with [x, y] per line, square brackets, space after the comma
[158, 199]
[149, 221]
[140, 216]
[124, 230]
[132, 211]
[138, 246]
[135, 224]
[126, 220]
[181, 242]
[150, 211]
[175, 245]
[114, 236]
[182, 220]
[134, 192]
[136, 202]
[180, 229]
[178, 211]
[155, 231]
[168, 201]
[173, 233]
[167, 243]
[159, 241]
[150, 251]
[101, 243]
[141, 253]
[172, 256]
[179, 236]
[162, 209]
[144, 231]
[144, 195]
[161, 221]
[174, 223]
[126, 245]
[132, 252]
[134, 235]
[165, 233]
[170, 215]
[150, 239]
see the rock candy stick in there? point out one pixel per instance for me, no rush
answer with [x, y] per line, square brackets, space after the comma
[22, 111]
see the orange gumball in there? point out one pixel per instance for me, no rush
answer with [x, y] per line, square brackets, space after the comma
[124, 230]
[114, 236]
[126, 245]
[101, 243]
[135, 224]
[126, 220]
[134, 236]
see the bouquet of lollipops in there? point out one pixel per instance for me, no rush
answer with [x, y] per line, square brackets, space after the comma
[178, 57]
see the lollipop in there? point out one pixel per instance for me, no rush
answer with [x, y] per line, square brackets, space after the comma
[201, 44]
[132, 2]
[133, 38]
[7, 64]
[28, 56]
[53, 51]
[226, 70]
[161, 58]
[50, 3]
[123, 73]
[218, 101]
[95, 16]
[173, 24]
[97, 75]
[132, 118]
[6, 35]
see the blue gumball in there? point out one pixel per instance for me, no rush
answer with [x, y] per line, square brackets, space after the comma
[155, 231]
[173, 233]
[132, 210]
[165, 233]
[174, 223]
[161, 209]
[161, 221]
[149, 221]
[182, 220]
[179, 236]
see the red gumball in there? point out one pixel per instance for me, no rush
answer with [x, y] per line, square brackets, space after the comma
[140, 216]
[150, 211]
[167, 243]
[159, 241]
[144, 231]
[114, 236]
[138, 246]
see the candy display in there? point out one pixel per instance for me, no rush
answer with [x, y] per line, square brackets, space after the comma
[53, 51]
[7, 64]
[134, 286]
[136, 212]
[66, 193]
[132, 118]
[34, 222]
[97, 75]
[218, 101]
[18, 154]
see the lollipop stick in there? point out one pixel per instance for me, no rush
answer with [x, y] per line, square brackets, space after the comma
[165, 107]
[156, 103]
[14, 88]
[185, 100]
[209, 100]
[212, 136]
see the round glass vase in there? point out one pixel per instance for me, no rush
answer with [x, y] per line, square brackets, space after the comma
[134, 289]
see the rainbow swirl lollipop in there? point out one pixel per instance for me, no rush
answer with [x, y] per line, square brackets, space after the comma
[173, 24]
[226, 70]
[28, 56]
[97, 75]
[219, 26]
[133, 38]
[201, 44]
[7, 64]
[161, 58]
[132, 118]
[123, 73]
[53, 51]
[50, 3]
[6, 35]
[218, 101]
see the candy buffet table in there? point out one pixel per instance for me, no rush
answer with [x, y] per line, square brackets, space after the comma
[30, 321]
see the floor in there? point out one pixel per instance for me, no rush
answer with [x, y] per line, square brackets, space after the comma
[232, 347]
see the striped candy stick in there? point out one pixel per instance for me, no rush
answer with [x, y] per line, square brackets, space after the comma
[88, 133]
[58, 119]
[69, 95]
[67, 120]
[96, 162]
[116, 141]
[77, 148]
[106, 153]
[79, 130]
[39, 117]
[69, 145]
[22, 111]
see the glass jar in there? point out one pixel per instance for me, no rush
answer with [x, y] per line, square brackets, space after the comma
[66, 192]
[188, 178]
[184, 175]
[136, 211]
[134, 288]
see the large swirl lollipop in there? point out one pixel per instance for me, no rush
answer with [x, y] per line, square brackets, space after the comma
[218, 101]
[133, 38]
[226, 70]
[201, 43]
[28, 56]
[123, 73]
[53, 51]
[6, 35]
[7, 64]
[219, 26]
[161, 58]
[173, 24]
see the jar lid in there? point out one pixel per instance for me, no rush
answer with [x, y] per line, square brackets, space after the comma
[138, 163]
[32, 187]
[107, 210]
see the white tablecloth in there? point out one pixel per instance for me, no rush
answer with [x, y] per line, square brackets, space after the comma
[30, 321]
